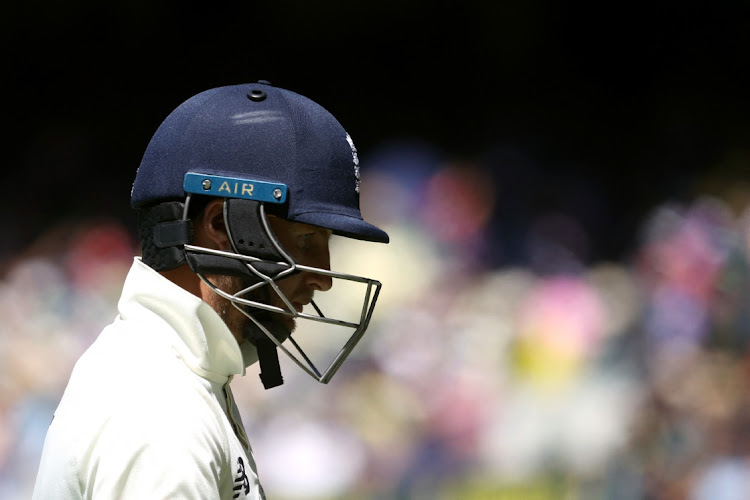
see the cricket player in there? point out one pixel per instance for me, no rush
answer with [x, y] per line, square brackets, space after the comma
[238, 194]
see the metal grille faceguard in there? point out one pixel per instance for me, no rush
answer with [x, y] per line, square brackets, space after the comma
[264, 272]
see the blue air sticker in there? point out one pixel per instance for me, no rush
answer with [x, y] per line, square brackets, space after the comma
[232, 187]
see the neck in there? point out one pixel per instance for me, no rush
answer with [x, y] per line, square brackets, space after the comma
[184, 278]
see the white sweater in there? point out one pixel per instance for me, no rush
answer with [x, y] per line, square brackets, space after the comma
[148, 412]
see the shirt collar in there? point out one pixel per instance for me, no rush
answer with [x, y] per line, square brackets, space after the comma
[200, 337]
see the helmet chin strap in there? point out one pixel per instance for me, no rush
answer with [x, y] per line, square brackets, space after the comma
[268, 357]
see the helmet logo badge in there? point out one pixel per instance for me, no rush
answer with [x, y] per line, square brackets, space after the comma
[356, 163]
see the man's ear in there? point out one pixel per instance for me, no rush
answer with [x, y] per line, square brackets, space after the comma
[210, 230]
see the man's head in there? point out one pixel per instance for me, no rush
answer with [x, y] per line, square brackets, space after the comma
[244, 185]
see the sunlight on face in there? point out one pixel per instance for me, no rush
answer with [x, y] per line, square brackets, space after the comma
[308, 246]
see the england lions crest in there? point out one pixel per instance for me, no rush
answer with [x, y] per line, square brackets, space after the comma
[356, 163]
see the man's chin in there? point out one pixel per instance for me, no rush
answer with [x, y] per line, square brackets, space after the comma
[289, 324]
[280, 326]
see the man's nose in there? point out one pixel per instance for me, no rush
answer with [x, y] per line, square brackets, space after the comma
[317, 281]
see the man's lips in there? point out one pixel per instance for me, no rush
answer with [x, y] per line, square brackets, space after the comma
[299, 302]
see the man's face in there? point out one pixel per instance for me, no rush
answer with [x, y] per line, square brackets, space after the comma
[308, 246]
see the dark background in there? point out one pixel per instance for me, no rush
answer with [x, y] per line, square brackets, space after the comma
[637, 102]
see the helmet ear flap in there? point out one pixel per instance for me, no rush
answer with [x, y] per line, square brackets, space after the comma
[249, 237]
[163, 234]
[248, 230]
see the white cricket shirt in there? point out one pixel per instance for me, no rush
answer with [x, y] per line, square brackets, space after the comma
[148, 412]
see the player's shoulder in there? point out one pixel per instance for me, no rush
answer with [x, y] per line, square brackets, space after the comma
[127, 376]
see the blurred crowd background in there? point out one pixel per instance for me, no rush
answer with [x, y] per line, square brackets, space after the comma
[565, 297]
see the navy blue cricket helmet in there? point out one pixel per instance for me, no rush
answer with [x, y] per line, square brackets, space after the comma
[260, 132]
